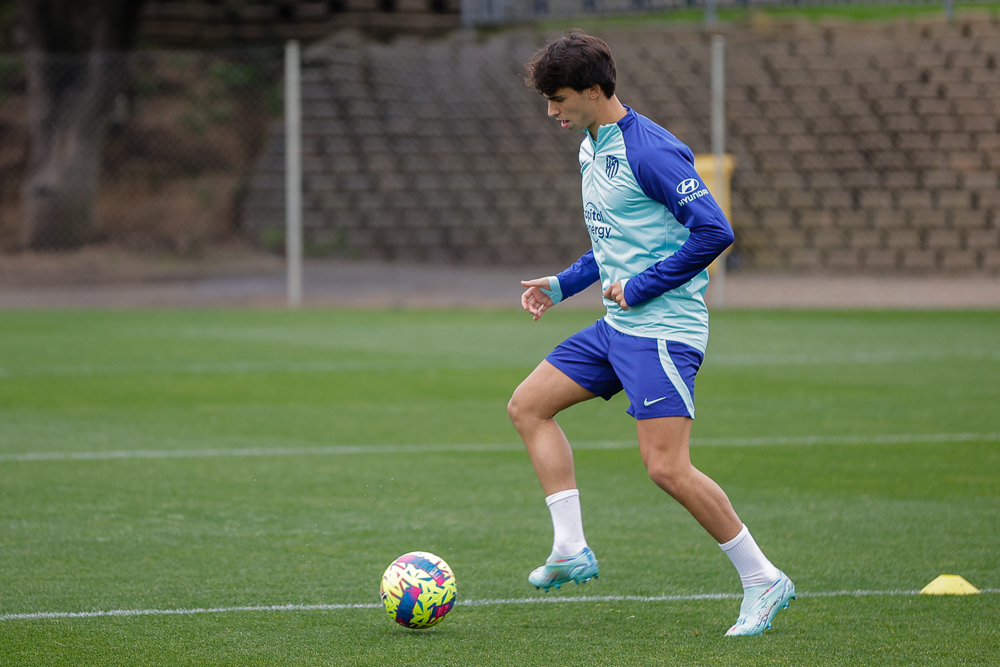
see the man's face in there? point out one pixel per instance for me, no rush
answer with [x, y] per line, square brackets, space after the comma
[575, 110]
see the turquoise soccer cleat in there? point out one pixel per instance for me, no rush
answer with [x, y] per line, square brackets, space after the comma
[558, 570]
[760, 604]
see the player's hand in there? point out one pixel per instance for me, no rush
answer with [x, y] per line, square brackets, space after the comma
[616, 294]
[534, 300]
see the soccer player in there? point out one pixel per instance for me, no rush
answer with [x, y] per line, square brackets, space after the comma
[654, 230]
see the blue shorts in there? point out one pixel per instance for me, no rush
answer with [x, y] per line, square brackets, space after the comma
[657, 375]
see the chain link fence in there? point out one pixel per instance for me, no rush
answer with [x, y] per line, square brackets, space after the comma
[500, 12]
[868, 153]
[858, 149]
[422, 151]
[146, 151]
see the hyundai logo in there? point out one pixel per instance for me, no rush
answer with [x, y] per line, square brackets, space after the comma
[687, 186]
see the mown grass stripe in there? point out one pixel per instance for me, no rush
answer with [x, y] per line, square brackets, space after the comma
[337, 450]
[52, 615]
[349, 365]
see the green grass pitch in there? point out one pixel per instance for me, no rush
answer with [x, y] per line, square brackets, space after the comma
[226, 488]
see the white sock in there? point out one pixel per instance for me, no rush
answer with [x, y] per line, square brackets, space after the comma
[754, 567]
[567, 522]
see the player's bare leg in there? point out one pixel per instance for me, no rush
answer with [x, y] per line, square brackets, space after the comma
[533, 407]
[664, 445]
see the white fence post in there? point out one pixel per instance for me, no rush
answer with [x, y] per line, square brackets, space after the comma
[719, 150]
[293, 174]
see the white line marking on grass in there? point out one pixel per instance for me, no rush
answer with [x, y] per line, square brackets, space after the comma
[862, 358]
[264, 451]
[902, 438]
[337, 450]
[43, 615]
[51, 615]
[215, 368]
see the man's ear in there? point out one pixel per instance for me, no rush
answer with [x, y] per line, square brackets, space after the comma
[595, 91]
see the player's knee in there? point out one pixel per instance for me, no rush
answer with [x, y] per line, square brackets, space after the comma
[521, 409]
[515, 408]
[660, 476]
[667, 477]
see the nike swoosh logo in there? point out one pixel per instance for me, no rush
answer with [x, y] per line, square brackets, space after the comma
[648, 402]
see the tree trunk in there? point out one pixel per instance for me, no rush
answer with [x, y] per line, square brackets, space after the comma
[71, 97]
[75, 68]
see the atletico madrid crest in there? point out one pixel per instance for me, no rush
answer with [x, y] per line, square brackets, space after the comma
[611, 166]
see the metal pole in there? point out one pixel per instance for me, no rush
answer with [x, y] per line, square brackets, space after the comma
[719, 150]
[471, 13]
[711, 15]
[293, 174]
[949, 10]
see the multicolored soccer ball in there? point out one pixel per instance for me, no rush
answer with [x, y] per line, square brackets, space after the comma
[418, 589]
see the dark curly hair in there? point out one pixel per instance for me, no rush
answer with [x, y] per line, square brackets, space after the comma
[575, 60]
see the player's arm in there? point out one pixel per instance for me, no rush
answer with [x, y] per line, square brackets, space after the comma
[710, 235]
[704, 245]
[543, 293]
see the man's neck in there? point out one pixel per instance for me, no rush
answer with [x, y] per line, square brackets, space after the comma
[610, 111]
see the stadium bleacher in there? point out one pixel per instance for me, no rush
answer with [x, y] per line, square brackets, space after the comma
[859, 147]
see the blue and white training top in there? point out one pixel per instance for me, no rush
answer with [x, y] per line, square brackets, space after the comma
[653, 225]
